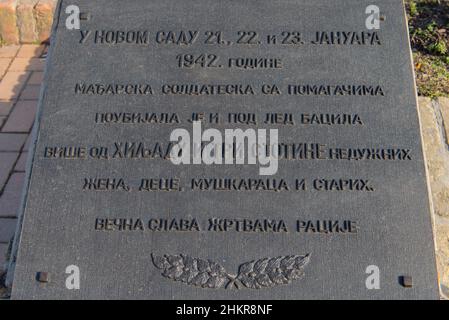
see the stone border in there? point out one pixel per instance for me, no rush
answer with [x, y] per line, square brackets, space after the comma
[26, 21]
[434, 116]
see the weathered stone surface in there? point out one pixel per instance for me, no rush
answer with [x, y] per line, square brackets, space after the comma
[444, 106]
[8, 21]
[64, 214]
[442, 244]
[437, 155]
[44, 18]
[26, 22]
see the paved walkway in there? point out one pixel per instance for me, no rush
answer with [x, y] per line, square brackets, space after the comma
[21, 74]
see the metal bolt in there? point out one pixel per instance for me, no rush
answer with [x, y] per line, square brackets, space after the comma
[43, 277]
[84, 16]
[406, 281]
[382, 17]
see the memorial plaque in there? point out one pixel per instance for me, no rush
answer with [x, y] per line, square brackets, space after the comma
[337, 208]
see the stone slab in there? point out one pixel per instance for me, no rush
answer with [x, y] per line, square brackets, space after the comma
[8, 21]
[26, 21]
[444, 105]
[44, 11]
[351, 200]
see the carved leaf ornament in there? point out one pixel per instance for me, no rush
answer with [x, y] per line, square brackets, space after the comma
[256, 274]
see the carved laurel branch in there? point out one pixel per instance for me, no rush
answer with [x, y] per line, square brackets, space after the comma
[256, 274]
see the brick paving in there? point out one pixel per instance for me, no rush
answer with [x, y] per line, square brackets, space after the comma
[21, 74]
[21, 118]
[10, 199]
[3, 251]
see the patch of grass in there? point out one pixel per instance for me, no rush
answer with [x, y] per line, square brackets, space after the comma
[439, 48]
[413, 8]
[432, 75]
[429, 37]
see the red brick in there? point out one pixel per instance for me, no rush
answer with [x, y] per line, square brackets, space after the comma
[21, 163]
[4, 64]
[26, 147]
[12, 194]
[12, 142]
[7, 229]
[31, 51]
[37, 77]
[31, 92]
[26, 22]
[8, 21]
[7, 160]
[3, 255]
[9, 51]
[12, 83]
[5, 107]
[27, 64]
[43, 12]
[21, 118]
